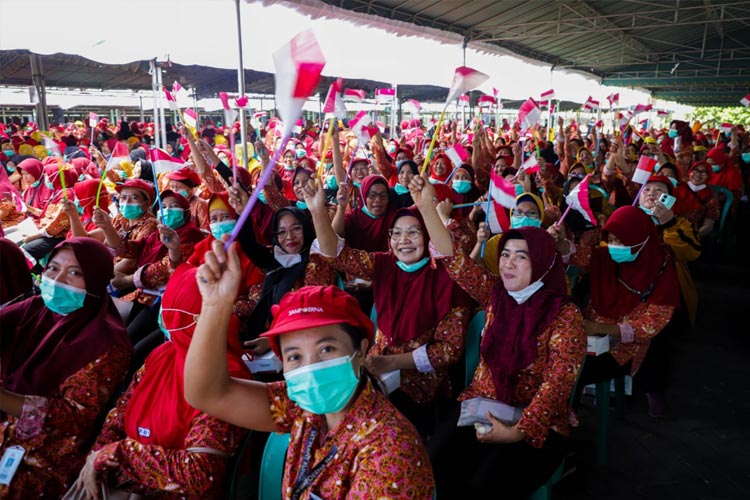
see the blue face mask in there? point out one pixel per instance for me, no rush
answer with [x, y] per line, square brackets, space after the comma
[746, 157]
[331, 182]
[324, 387]
[301, 205]
[400, 189]
[48, 184]
[9, 152]
[78, 207]
[519, 189]
[219, 229]
[672, 133]
[715, 168]
[368, 213]
[262, 197]
[165, 331]
[624, 253]
[516, 222]
[184, 193]
[174, 217]
[358, 184]
[9, 168]
[81, 177]
[131, 212]
[35, 183]
[410, 268]
[461, 186]
[160, 323]
[300, 153]
[673, 181]
[61, 298]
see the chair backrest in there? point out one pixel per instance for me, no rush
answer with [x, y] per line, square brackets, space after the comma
[272, 467]
[471, 352]
[727, 204]
[240, 471]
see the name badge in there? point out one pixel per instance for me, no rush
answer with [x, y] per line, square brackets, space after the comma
[9, 463]
[143, 432]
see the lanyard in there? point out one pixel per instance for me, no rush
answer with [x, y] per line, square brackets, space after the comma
[305, 477]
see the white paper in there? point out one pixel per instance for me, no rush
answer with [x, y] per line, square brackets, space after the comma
[25, 228]
[390, 380]
[267, 362]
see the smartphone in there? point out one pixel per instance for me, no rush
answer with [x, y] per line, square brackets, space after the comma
[228, 175]
[667, 200]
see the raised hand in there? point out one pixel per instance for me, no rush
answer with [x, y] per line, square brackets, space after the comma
[314, 195]
[219, 277]
[422, 192]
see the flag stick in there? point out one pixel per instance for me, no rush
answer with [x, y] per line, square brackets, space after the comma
[326, 144]
[258, 188]
[465, 205]
[60, 171]
[234, 154]
[638, 196]
[562, 217]
[486, 220]
[434, 139]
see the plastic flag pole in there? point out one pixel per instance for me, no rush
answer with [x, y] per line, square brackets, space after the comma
[486, 220]
[432, 143]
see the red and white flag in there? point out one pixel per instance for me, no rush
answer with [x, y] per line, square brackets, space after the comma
[260, 114]
[457, 154]
[661, 112]
[495, 92]
[224, 97]
[171, 101]
[502, 191]
[413, 106]
[530, 166]
[385, 95]
[486, 101]
[640, 108]
[726, 127]
[162, 162]
[51, 145]
[297, 129]
[381, 127]
[118, 155]
[463, 100]
[334, 102]
[614, 99]
[298, 66]
[464, 80]
[547, 95]
[359, 122]
[578, 200]
[529, 114]
[190, 117]
[179, 91]
[591, 104]
[644, 170]
[93, 120]
[498, 218]
[745, 101]
[242, 102]
[623, 119]
[354, 95]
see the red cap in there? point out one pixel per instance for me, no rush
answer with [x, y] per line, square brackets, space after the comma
[663, 179]
[185, 174]
[139, 184]
[313, 306]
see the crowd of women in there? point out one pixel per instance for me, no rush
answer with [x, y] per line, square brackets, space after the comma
[126, 326]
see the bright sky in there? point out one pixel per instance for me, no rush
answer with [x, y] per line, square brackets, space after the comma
[204, 32]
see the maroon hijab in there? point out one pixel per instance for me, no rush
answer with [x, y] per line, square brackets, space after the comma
[39, 349]
[407, 303]
[653, 268]
[509, 343]
[362, 231]
[36, 197]
[15, 276]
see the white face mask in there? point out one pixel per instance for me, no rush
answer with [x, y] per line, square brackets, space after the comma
[694, 187]
[521, 296]
[286, 259]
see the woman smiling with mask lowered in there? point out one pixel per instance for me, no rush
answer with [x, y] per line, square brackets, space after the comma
[532, 346]
[346, 439]
[422, 314]
[366, 228]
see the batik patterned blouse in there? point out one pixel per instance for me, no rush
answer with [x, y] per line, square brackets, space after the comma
[375, 451]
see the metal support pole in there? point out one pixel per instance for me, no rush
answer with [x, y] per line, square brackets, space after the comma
[155, 89]
[142, 117]
[37, 79]
[393, 112]
[241, 84]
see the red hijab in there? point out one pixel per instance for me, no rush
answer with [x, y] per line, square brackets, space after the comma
[15, 276]
[361, 230]
[406, 303]
[729, 176]
[158, 403]
[154, 250]
[86, 195]
[689, 200]
[652, 269]
[52, 171]
[509, 343]
[448, 166]
[38, 196]
[53, 347]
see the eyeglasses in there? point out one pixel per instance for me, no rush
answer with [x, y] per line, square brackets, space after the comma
[411, 234]
[295, 230]
[520, 213]
[700, 172]
[372, 196]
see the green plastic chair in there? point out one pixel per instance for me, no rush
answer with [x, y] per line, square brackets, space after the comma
[473, 339]
[724, 211]
[272, 466]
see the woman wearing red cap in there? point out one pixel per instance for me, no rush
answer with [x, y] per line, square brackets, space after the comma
[347, 440]
[153, 441]
[185, 182]
[532, 347]
[420, 333]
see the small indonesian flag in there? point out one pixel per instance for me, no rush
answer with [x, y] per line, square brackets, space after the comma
[119, 154]
[334, 102]
[640, 108]
[354, 95]
[298, 66]
[661, 112]
[529, 114]
[498, 218]
[297, 129]
[591, 104]
[224, 100]
[613, 99]
[162, 162]
[359, 122]
[644, 170]
[171, 101]
[530, 166]
[93, 120]
[457, 154]
[486, 101]
[190, 117]
[623, 119]
[179, 91]
[52, 146]
[413, 106]
[599, 124]
[547, 95]
[260, 114]
[384, 95]
[502, 191]
[464, 80]
[463, 100]
[745, 101]
[495, 92]
[726, 127]
[242, 102]
[381, 127]
[578, 200]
